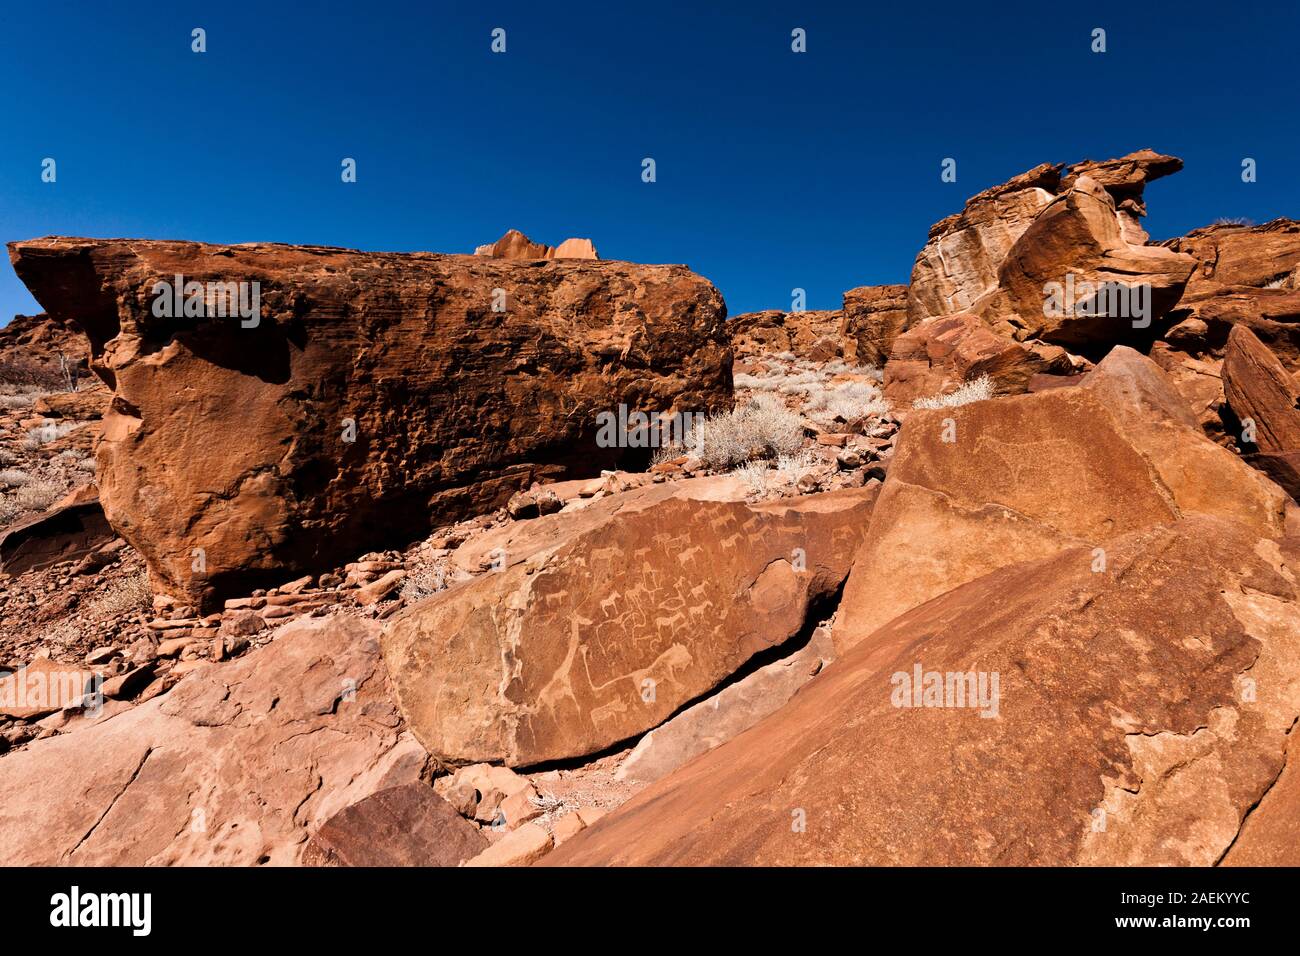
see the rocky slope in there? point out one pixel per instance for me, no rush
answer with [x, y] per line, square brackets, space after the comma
[937, 578]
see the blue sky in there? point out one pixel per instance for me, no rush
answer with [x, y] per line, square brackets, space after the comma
[775, 170]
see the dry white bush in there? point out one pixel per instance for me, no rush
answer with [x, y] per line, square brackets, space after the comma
[19, 400]
[753, 475]
[123, 597]
[976, 390]
[796, 464]
[86, 464]
[753, 382]
[34, 495]
[761, 428]
[848, 401]
[13, 478]
[7, 457]
[45, 433]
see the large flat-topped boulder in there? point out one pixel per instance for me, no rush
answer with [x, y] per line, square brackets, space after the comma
[1063, 715]
[607, 632]
[372, 395]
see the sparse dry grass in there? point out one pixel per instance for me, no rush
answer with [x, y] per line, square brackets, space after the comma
[753, 475]
[30, 495]
[13, 478]
[847, 401]
[126, 596]
[976, 390]
[18, 399]
[46, 432]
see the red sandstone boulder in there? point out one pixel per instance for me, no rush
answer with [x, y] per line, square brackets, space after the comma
[973, 488]
[958, 267]
[72, 529]
[1076, 243]
[1264, 397]
[1261, 391]
[1133, 716]
[874, 316]
[608, 631]
[938, 355]
[998, 257]
[408, 825]
[373, 396]
[1245, 275]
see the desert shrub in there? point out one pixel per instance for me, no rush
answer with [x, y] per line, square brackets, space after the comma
[761, 428]
[13, 478]
[752, 474]
[976, 390]
[17, 399]
[756, 383]
[123, 597]
[45, 433]
[29, 495]
[38, 494]
[86, 464]
[1232, 221]
[848, 401]
[7, 457]
[796, 464]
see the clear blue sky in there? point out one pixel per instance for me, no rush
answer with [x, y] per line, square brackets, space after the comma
[775, 170]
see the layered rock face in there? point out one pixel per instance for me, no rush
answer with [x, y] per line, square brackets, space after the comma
[372, 396]
[1078, 241]
[235, 767]
[958, 267]
[813, 335]
[515, 245]
[874, 316]
[1018, 479]
[940, 354]
[602, 633]
[1264, 397]
[1244, 275]
[1081, 231]
[42, 350]
[1045, 714]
